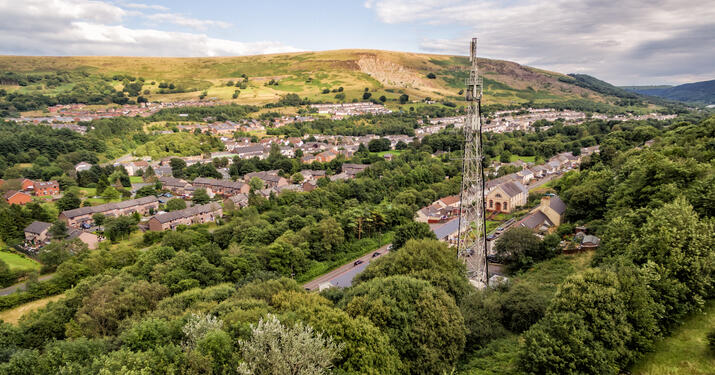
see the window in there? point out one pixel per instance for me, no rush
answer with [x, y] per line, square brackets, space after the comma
[505, 206]
[491, 203]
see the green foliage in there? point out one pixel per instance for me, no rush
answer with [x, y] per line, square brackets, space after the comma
[422, 322]
[412, 230]
[519, 249]
[175, 204]
[200, 196]
[425, 259]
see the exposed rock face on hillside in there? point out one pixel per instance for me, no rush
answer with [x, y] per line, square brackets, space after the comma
[391, 74]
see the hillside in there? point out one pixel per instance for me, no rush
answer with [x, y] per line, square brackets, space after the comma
[697, 92]
[308, 74]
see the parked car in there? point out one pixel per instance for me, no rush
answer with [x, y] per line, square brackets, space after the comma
[376, 254]
[358, 262]
[491, 237]
[389, 247]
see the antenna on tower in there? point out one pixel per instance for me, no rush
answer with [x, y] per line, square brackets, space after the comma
[472, 225]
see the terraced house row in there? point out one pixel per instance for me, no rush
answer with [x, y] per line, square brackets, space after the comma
[83, 215]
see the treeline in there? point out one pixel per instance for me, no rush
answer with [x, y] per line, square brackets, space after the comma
[231, 112]
[653, 208]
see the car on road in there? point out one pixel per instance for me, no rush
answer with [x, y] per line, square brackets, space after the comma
[491, 237]
[358, 262]
[376, 254]
[389, 247]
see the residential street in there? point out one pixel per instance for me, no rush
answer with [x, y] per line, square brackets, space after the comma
[21, 286]
[343, 275]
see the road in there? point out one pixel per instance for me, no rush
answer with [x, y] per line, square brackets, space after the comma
[14, 288]
[343, 275]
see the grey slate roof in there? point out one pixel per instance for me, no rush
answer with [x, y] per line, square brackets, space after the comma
[187, 212]
[37, 227]
[513, 188]
[109, 206]
[222, 183]
[446, 229]
[557, 204]
[535, 220]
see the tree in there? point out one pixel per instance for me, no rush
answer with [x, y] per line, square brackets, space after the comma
[364, 348]
[278, 349]
[146, 191]
[519, 248]
[431, 75]
[383, 98]
[366, 95]
[119, 227]
[98, 218]
[425, 259]
[110, 193]
[256, 184]
[410, 231]
[404, 98]
[522, 306]
[200, 197]
[177, 167]
[297, 178]
[175, 204]
[69, 201]
[58, 230]
[57, 252]
[422, 322]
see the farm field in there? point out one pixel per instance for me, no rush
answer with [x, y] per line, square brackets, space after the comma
[13, 316]
[18, 262]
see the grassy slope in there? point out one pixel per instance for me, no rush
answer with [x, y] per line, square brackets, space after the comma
[685, 352]
[18, 262]
[308, 73]
[13, 316]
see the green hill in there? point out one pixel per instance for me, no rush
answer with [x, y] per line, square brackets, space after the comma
[696, 92]
[315, 75]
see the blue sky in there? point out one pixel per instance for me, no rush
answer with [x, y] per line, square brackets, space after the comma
[624, 42]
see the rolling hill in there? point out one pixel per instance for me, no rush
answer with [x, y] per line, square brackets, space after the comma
[697, 92]
[315, 75]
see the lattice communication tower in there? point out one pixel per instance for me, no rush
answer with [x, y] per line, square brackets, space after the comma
[472, 226]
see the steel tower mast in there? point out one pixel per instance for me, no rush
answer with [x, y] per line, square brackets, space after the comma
[472, 226]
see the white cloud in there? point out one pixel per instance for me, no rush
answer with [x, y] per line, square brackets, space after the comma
[145, 6]
[193, 23]
[76, 27]
[626, 42]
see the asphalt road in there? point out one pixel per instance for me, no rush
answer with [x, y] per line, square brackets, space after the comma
[343, 275]
[21, 286]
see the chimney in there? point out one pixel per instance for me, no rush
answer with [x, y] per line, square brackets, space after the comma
[545, 201]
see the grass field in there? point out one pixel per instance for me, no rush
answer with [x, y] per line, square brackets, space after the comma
[136, 179]
[525, 159]
[685, 352]
[18, 262]
[13, 316]
[393, 152]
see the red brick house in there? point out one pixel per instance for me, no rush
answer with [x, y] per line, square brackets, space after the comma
[17, 197]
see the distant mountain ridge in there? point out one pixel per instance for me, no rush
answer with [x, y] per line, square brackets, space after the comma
[696, 92]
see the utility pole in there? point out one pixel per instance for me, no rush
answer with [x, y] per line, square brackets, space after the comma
[472, 225]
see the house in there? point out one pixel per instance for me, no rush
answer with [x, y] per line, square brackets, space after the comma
[549, 214]
[308, 159]
[175, 185]
[163, 171]
[309, 185]
[41, 188]
[248, 152]
[222, 187]
[326, 156]
[448, 232]
[17, 197]
[353, 169]
[89, 239]
[270, 178]
[587, 151]
[506, 197]
[539, 171]
[236, 201]
[312, 175]
[192, 215]
[83, 215]
[37, 232]
[526, 175]
[553, 166]
[82, 166]
[451, 201]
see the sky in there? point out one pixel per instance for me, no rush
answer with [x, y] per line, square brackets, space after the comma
[625, 42]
